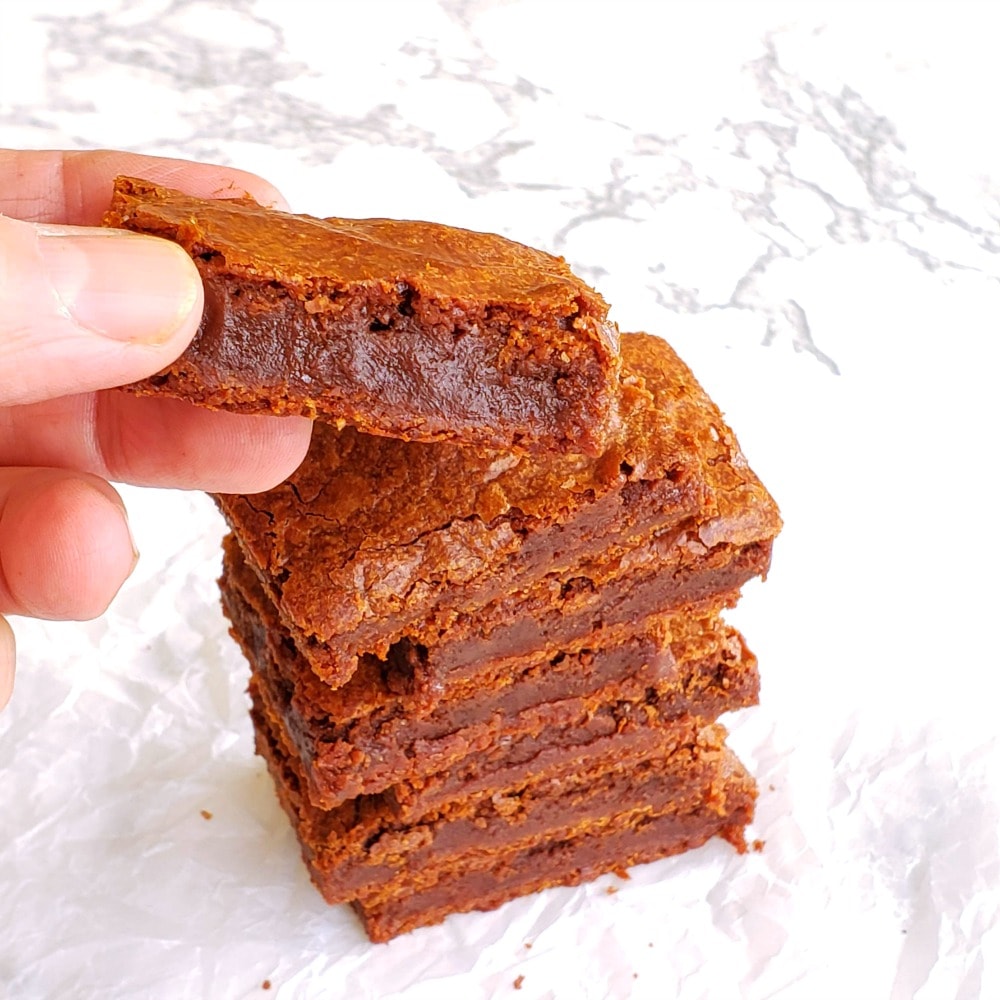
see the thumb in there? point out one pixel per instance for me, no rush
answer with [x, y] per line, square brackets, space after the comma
[84, 309]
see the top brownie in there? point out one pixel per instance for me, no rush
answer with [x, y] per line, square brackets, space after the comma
[411, 330]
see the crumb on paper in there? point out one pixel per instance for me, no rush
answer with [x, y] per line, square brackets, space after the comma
[611, 890]
[266, 985]
[519, 982]
[205, 814]
[527, 944]
[757, 846]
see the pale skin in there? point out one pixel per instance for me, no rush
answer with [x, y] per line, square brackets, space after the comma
[83, 311]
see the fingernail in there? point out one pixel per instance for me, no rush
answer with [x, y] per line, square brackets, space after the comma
[7, 647]
[135, 550]
[131, 537]
[121, 285]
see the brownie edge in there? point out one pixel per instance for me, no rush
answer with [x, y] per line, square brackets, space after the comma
[407, 329]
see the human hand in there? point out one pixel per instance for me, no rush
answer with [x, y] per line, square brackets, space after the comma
[83, 310]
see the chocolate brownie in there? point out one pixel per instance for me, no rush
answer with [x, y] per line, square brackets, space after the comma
[411, 329]
[374, 543]
[373, 757]
[673, 781]
[363, 740]
[715, 798]
[399, 685]
[363, 847]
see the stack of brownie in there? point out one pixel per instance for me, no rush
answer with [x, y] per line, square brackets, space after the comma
[483, 617]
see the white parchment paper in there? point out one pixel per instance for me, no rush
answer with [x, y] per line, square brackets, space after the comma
[144, 853]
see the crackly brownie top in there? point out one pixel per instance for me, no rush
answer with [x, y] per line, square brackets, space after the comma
[366, 520]
[311, 255]
[414, 330]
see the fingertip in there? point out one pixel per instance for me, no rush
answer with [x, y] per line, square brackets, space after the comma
[74, 186]
[129, 287]
[90, 308]
[160, 441]
[201, 180]
[245, 453]
[7, 654]
[66, 546]
[281, 443]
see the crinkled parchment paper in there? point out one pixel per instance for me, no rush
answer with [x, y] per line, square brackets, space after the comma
[144, 854]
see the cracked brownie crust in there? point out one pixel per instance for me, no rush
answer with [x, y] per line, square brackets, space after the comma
[412, 329]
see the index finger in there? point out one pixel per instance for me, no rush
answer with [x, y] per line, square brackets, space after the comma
[74, 187]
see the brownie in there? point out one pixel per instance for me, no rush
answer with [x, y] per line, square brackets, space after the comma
[363, 740]
[715, 799]
[482, 619]
[376, 543]
[411, 329]
[363, 847]
[414, 682]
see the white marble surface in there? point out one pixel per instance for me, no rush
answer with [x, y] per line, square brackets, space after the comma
[805, 200]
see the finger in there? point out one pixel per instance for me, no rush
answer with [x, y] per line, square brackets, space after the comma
[84, 309]
[6, 663]
[75, 187]
[171, 442]
[65, 546]
[152, 441]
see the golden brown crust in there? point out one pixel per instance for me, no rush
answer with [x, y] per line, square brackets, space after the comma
[410, 329]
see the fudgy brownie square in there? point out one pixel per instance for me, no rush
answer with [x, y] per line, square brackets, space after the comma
[365, 736]
[664, 807]
[377, 546]
[412, 329]
[364, 848]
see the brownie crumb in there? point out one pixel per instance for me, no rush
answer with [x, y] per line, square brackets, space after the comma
[519, 982]
[527, 944]
[757, 846]
[611, 890]
[205, 814]
[266, 985]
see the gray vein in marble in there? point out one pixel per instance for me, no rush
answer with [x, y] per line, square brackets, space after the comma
[643, 171]
[869, 143]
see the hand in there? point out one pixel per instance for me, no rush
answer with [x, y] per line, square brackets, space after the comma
[83, 310]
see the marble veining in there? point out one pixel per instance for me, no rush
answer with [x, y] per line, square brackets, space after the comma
[809, 169]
